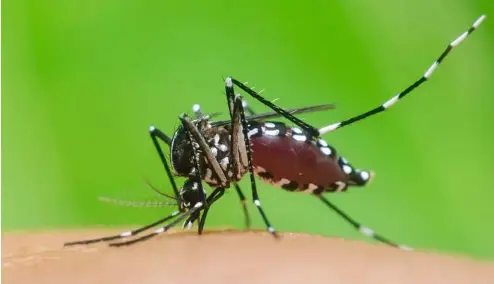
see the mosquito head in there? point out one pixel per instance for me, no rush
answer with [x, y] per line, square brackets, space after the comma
[191, 193]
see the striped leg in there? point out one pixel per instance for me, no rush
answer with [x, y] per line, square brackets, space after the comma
[366, 231]
[124, 234]
[239, 108]
[215, 195]
[410, 88]
[244, 205]
[163, 229]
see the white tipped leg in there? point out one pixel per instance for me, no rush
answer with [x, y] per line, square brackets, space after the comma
[410, 88]
[366, 231]
[329, 128]
[478, 21]
[228, 82]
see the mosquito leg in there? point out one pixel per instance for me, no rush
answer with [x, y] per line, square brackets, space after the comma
[362, 229]
[244, 205]
[229, 82]
[124, 234]
[215, 195]
[316, 133]
[247, 109]
[410, 88]
[163, 229]
[158, 134]
[248, 151]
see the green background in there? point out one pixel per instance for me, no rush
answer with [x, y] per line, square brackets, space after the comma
[83, 80]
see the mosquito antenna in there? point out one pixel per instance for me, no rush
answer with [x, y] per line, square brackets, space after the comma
[158, 191]
[130, 203]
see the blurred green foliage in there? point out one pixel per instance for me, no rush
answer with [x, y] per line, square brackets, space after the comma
[83, 80]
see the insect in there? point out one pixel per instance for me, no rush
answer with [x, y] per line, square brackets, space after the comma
[293, 158]
[191, 197]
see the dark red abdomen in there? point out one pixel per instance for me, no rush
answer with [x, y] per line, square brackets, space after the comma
[303, 162]
[286, 157]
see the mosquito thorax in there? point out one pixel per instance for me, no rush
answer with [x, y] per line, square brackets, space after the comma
[218, 140]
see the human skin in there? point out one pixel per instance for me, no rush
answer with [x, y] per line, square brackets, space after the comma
[226, 256]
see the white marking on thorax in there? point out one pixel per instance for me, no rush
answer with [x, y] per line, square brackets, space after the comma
[214, 151]
[222, 147]
[224, 163]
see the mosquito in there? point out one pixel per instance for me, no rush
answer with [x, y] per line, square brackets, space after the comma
[295, 158]
[191, 197]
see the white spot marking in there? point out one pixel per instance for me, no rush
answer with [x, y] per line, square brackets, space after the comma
[366, 231]
[257, 203]
[189, 225]
[459, 39]
[341, 185]
[478, 21]
[195, 185]
[269, 125]
[431, 69]
[272, 132]
[311, 188]
[301, 138]
[284, 181]
[329, 128]
[230, 173]
[222, 147]
[228, 82]
[347, 169]
[160, 230]
[260, 169]
[224, 163]
[326, 150]
[209, 174]
[253, 132]
[196, 108]
[216, 139]
[271, 229]
[198, 204]
[391, 101]
[296, 130]
[322, 143]
[405, 248]
[152, 128]
[214, 151]
[364, 175]
[126, 234]
[344, 160]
